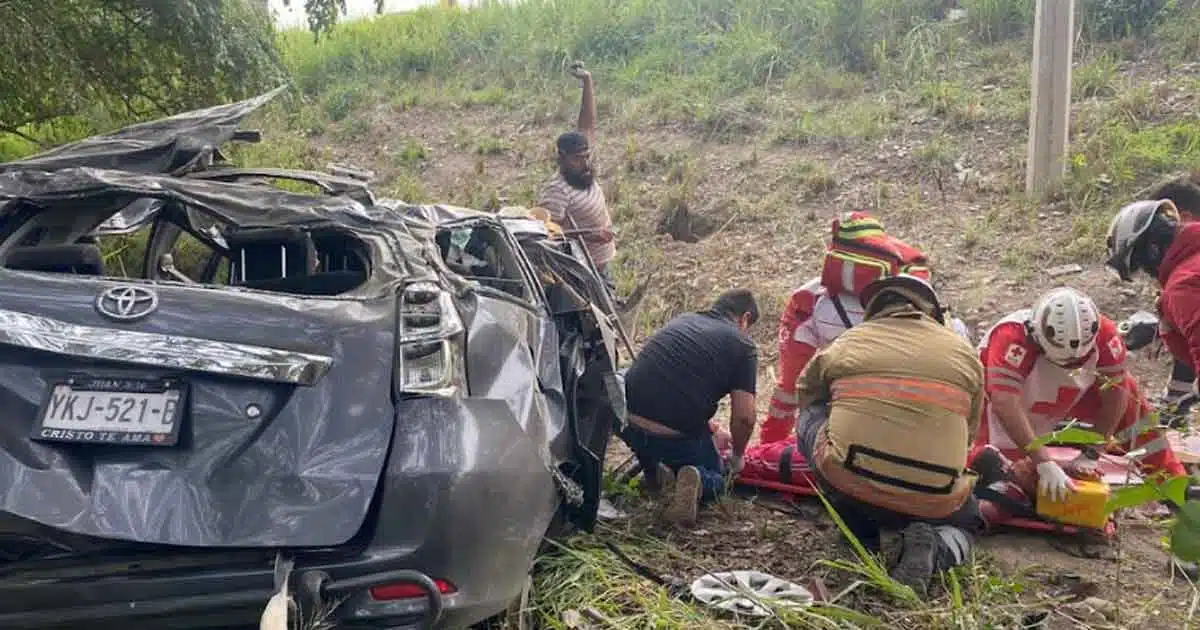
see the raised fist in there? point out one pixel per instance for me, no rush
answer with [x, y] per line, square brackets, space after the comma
[578, 71]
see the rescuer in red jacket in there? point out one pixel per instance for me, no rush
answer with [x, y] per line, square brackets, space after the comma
[1184, 192]
[1150, 236]
[1062, 358]
[860, 251]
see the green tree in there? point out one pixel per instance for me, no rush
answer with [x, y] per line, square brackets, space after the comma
[129, 59]
[323, 14]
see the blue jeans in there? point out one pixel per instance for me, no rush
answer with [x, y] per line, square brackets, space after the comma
[677, 452]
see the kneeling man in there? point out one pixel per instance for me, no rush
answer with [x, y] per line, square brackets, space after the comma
[672, 391]
[1061, 359]
[891, 408]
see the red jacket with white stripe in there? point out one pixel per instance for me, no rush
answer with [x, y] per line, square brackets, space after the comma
[811, 317]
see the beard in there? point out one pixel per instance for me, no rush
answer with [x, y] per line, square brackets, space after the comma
[581, 180]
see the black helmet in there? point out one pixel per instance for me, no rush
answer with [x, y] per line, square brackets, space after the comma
[1132, 229]
[912, 289]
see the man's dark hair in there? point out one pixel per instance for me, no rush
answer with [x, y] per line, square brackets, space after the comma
[1183, 192]
[572, 142]
[735, 303]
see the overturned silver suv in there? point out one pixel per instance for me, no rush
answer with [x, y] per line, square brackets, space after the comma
[397, 402]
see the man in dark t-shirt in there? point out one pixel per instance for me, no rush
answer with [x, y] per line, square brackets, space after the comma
[672, 391]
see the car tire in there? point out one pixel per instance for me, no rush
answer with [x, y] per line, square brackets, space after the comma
[518, 616]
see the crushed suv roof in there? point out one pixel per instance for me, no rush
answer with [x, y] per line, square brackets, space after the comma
[241, 204]
[179, 159]
[175, 144]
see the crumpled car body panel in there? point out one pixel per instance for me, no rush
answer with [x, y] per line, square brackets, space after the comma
[296, 434]
[303, 472]
[190, 140]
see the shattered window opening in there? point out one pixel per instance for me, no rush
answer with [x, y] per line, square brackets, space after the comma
[191, 247]
[479, 253]
[305, 261]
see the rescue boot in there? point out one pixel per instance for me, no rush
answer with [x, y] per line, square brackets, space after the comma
[915, 564]
[1175, 410]
[685, 502]
[1176, 400]
[926, 550]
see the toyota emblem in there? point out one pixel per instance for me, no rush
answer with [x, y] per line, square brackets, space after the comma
[127, 303]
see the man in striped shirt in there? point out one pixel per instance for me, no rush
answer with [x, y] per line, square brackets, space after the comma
[572, 197]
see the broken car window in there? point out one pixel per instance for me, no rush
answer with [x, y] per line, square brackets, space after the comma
[480, 253]
[193, 247]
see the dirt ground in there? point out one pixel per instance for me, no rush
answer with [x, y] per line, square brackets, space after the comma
[766, 531]
[767, 205]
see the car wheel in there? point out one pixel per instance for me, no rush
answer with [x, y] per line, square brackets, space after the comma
[518, 615]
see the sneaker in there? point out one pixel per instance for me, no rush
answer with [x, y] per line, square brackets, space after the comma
[918, 551]
[685, 504]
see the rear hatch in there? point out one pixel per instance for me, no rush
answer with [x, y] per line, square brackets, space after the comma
[223, 418]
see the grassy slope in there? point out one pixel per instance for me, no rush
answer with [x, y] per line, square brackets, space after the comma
[762, 120]
[748, 117]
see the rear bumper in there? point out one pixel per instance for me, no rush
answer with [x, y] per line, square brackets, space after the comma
[235, 599]
[475, 523]
[112, 615]
[320, 589]
[465, 497]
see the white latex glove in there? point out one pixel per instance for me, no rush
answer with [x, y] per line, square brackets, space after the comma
[736, 462]
[1053, 481]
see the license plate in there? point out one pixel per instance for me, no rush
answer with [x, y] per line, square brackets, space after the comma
[112, 411]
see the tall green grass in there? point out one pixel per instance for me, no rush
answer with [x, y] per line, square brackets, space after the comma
[646, 44]
[640, 44]
[674, 54]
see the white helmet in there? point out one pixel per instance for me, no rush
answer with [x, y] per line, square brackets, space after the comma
[1129, 224]
[1064, 322]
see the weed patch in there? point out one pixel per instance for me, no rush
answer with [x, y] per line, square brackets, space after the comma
[1122, 153]
[1096, 79]
[411, 151]
[342, 100]
[491, 145]
[839, 126]
[815, 179]
[992, 21]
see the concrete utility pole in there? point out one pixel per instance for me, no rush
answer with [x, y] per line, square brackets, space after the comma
[1050, 109]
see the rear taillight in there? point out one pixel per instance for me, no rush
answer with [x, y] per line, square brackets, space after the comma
[430, 342]
[408, 590]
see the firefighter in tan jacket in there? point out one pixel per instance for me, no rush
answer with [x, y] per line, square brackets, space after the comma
[890, 409]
